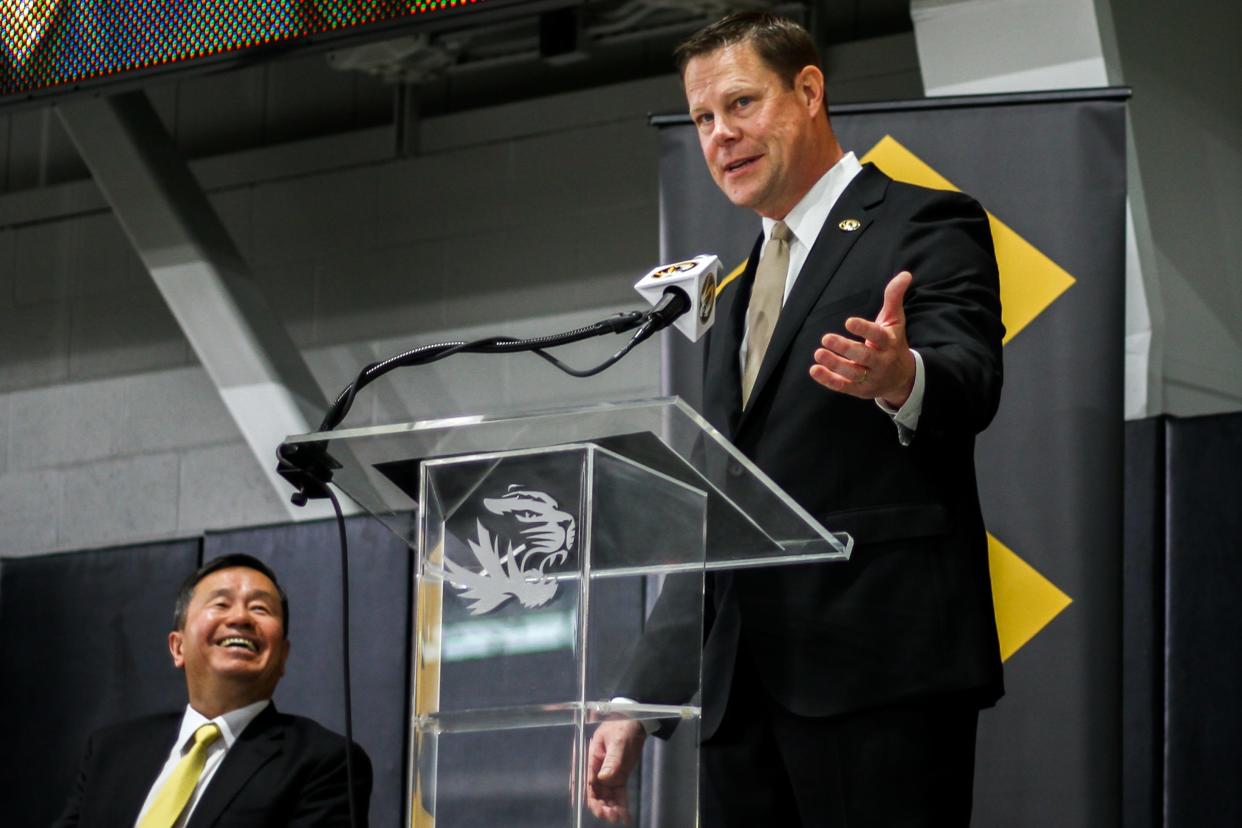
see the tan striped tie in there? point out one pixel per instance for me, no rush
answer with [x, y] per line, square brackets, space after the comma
[172, 797]
[765, 303]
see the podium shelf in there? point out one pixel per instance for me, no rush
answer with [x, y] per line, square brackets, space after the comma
[547, 715]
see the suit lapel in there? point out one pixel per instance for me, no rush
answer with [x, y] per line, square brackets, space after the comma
[830, 249]
[258, 743]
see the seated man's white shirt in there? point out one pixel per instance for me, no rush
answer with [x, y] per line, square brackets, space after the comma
[231, 725]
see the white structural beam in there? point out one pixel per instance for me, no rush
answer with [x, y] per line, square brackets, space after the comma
[259, 372]
[971, 47]
[992, 46]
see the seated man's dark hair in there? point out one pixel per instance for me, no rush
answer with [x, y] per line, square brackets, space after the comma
[227, 562]
[783, 45]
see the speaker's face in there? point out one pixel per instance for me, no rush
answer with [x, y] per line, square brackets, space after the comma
[763, 139]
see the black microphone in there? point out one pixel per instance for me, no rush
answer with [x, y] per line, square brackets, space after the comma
[673, 303]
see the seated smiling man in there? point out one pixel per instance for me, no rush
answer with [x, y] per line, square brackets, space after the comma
[230, 759]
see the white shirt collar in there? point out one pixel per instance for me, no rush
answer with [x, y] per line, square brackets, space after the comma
[231, 724]
[808, 215]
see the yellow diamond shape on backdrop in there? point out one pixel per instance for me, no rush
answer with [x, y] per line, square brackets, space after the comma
[1025, 600]
[1029, 280]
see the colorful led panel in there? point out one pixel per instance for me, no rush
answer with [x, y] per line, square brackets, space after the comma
[45, 44]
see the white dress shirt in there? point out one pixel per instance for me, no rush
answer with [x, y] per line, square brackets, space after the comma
[231, 725]
[805, 221]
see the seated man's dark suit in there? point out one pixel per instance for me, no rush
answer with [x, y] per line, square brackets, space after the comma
[282, 771]
[910, 615]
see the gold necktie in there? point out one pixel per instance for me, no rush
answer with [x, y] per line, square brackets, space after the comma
[172, 797]
[765, 303]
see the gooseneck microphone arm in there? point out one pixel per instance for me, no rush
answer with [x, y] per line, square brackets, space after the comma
[309, 468]
[424, 354]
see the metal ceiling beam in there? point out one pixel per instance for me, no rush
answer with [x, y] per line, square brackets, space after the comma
[259, 372]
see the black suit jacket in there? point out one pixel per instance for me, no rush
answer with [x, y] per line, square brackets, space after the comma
[282, 771]
[910, 615]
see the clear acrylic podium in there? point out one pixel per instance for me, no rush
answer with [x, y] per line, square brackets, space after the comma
[535, 537]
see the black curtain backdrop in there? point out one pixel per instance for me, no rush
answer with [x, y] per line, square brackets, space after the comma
[1143, 618]
[1202, 624]
[1052, 168]
[83, 644]
[1181, 674]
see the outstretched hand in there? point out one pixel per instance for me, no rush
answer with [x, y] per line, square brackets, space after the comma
[879, 365]
[614, 751]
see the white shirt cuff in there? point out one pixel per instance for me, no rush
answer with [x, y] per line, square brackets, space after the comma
[649, 725]
[906, 418]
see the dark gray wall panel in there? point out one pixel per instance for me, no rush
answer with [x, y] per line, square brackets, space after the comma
[83, 643]
[306, 559]
[1142, 641]
[1204, 626]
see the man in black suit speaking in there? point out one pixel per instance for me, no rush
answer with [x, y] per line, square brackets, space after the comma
[854, 360]
[230, 759]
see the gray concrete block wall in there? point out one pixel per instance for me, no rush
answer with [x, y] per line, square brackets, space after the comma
[130, 330]
[384, 290]
[431, 197]
[34, 344]
[5, 418]
[7, 275]
[189, 414]
[80, 256]
[39, 152]
[63, 424]
[305, 219]
[119, 499]
[111, 431]
[29, 510]
[24, 165]
[120, 459]
[221, 485]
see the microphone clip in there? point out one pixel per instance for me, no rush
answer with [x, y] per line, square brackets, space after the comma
[308, 467]
[673, 303]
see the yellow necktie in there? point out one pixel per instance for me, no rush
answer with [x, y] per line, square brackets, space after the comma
[766, 298]
[172, 797]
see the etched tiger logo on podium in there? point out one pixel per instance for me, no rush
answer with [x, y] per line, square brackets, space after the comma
[510, 569]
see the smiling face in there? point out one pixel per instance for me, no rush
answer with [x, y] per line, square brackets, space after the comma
[766, 142]
[232, 645]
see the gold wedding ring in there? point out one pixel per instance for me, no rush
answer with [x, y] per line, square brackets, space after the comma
[863, 378]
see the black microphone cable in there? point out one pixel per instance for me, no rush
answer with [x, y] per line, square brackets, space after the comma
[345, 668]
[673, 304]
[424, 354]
